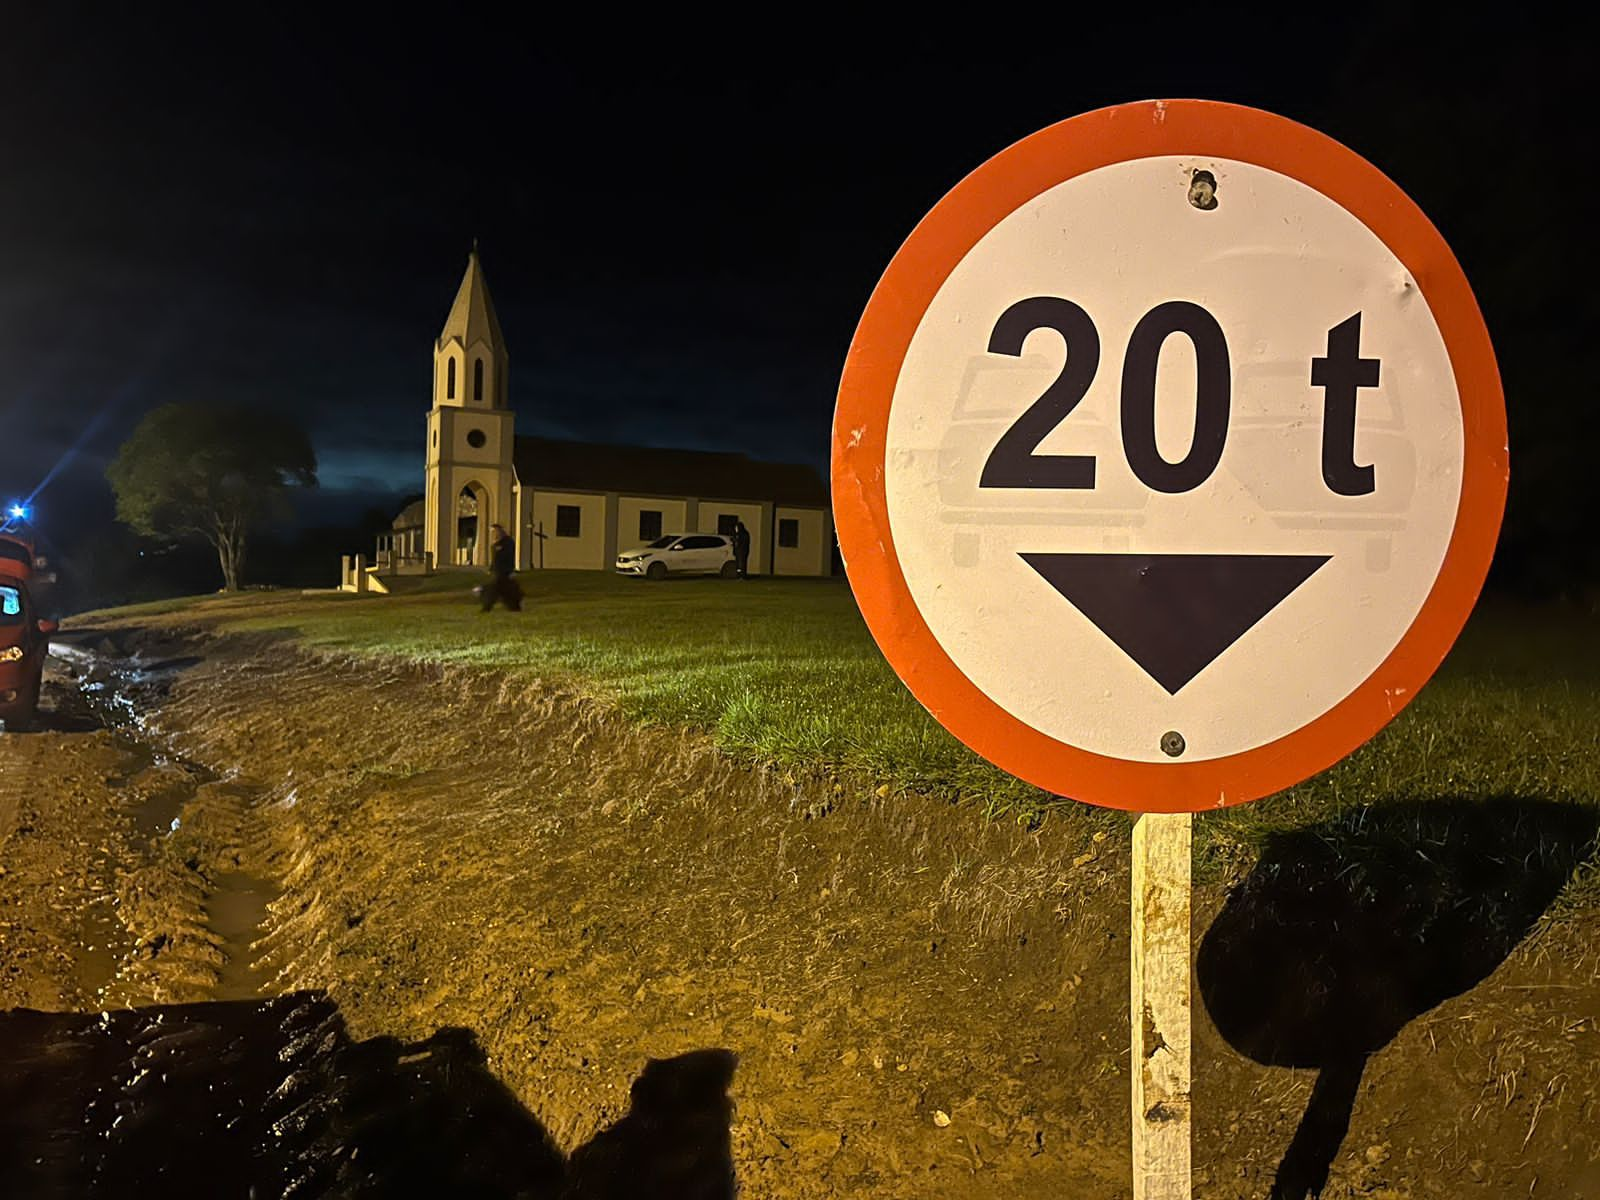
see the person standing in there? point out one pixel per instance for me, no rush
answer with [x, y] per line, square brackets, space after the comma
[502, 564]
[741, 549]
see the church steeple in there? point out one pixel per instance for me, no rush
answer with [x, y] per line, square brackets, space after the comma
[470, 354]
[472, 316]
[471, 483]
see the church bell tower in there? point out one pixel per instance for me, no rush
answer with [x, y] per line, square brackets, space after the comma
[471, 430]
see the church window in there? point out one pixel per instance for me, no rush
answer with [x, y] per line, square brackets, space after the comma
[477, 379]
[569, 520]
[788, 533]
[435, 439]
[476, 438]
[450, 379]
[649, 524]
[726, 523]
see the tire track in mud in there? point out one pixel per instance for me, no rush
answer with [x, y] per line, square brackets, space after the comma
[187, 1078]
[264, 1098]
[500, 854]
[597, 920]
[182, 1079]
[192, 892]
[515, 897]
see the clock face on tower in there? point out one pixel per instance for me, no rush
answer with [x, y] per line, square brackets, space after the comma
[476, 438]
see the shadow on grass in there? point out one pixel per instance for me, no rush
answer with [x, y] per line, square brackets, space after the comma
[273, 1098]
[1346, 931]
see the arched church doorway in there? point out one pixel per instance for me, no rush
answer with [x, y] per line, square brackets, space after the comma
[472, 526]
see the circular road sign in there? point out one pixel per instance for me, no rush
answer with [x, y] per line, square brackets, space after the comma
[1169, 456]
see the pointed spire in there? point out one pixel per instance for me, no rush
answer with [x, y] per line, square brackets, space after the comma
[472, 317]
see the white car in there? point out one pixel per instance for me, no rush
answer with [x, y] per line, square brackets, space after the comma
[680, 554]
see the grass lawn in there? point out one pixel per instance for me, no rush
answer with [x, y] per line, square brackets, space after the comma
[784, 671]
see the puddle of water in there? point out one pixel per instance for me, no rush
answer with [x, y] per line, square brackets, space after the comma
[236, 910]
[103, 942]
[115, 690]
[155, 815]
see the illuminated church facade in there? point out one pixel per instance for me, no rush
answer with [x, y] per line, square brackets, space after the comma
[574, 505]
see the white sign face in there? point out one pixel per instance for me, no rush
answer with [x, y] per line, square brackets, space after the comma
[1157, 463]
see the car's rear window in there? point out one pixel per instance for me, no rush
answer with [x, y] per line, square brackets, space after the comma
[10, 606]
[15, 551]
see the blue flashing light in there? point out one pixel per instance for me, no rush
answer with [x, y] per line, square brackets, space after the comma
[17, 512]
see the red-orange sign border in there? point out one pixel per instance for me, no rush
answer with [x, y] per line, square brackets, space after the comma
[1198, 129]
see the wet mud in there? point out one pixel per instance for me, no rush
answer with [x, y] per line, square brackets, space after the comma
[274, 1098]
[174, 893]
[440, 927]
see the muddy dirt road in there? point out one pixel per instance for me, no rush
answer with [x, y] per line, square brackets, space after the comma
[325, 927]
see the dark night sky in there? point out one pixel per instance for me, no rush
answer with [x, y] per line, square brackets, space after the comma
[680, 223]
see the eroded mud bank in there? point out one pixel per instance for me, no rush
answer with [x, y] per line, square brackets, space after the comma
[901, 989]
[824, 990]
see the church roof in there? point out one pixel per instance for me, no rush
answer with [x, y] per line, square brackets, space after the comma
[412, 516]
[549, 464]
[472, 317]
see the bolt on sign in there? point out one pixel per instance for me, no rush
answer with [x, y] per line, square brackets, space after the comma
[1169, 456]
[1168, 462]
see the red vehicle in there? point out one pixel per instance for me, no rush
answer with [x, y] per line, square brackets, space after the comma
[24, 642]
[16, 557]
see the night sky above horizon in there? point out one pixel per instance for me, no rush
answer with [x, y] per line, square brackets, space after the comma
[680, 225]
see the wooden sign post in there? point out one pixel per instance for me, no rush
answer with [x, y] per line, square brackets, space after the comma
[1158, 1006]
[1169, 460]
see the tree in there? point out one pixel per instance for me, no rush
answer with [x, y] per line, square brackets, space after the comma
[202, 471]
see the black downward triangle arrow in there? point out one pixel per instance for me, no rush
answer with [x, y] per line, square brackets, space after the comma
[1173, 614]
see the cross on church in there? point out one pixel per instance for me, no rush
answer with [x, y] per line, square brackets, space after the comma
[538, 532]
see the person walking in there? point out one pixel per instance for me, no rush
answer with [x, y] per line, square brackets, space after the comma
[502, 565]
[741, 549]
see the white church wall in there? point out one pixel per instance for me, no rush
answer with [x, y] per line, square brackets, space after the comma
[586, 551]
[806, 558]
[674, 518]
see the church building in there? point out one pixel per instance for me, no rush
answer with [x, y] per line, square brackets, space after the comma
[574, 505]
